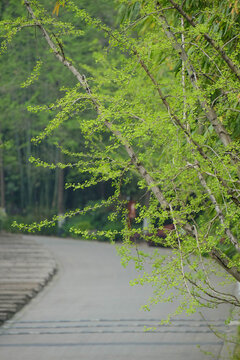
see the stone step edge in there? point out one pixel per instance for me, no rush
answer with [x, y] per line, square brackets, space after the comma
[18, 304]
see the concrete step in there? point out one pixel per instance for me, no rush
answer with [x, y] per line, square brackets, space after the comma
[25, 268]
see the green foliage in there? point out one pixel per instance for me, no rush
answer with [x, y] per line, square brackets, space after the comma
[92, 223]
[154, 109]
[9, 221]
[34, 75]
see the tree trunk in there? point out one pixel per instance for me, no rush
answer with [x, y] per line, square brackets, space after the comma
[20, 165]
[60, 194]
[2, 183]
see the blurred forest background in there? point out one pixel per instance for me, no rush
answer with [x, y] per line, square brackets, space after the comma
[29, 193]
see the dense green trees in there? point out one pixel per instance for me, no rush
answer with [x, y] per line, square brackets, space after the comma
[29, 189]
[160, 103]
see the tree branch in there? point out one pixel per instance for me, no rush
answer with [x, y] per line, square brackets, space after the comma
[224, 262]
[141, 169]
[209, 111]
[83, 81]
[218, 210]
[212, 42]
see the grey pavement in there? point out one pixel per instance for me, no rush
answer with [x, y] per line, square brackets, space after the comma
[90, 312]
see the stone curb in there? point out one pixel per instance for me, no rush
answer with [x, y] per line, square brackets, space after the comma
[25, 268]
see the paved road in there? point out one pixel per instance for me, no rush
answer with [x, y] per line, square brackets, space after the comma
[89, 312]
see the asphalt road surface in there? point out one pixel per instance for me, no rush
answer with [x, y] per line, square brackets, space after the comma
[90, 312]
